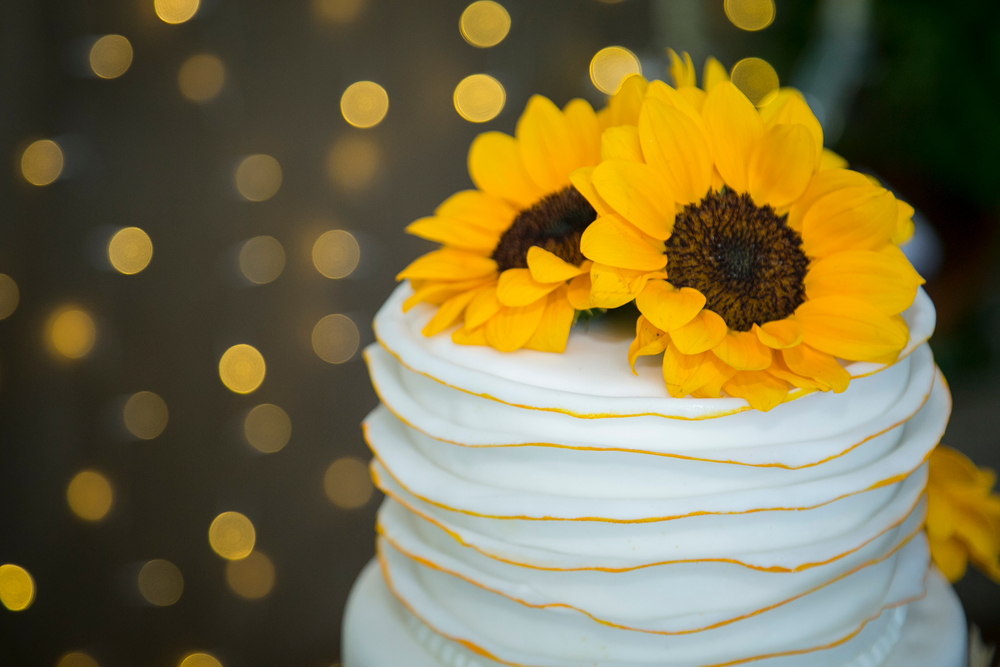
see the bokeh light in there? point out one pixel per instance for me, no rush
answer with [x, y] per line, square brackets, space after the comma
[77, 659]
[130, 250]
[353, 162]
[161, 583]
[347, 483]
[145, 415]
[755, 78]
[42, 162]
[335, 339]
[262, 259]
[199, 660]
[612, 65]
[336, 253]
[364, 104]
[337, 11]
[258, 177]
[479, 98]
[71, 333]
[176, 11]
[89, 495]
[17, 588]
[484, 23]
[750, 15]
[201, 77]
[10, 296]
[251, 577]
[242, 368]
[110, 56]
[267, 428]
[232, 536]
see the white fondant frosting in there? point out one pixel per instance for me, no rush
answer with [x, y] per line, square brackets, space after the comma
[559, 511]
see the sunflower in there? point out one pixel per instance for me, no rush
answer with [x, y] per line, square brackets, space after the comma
[963, 516]
[756, 261]
[510, 269]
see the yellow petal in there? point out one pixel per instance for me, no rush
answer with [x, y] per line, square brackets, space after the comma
[511, 328]
[780, 370]
[779, 334]
[437, 292]
[702, 333]
[713, 75]
[862, 218]
[695, 97]
[472, 207]
[516, 287]
[484, 306]
[466, 336]
[611, 286]
[793, 110]
[904, 223]
[585, 129]
[681, 69]
[675, 146]
[951, 558]
[546, 267]
[687, 99]
[811, 363]
[667, 307]
[720, 375]
[885, 280]
[495, 167]
[582, 180]
[648, 341]
[686, 373]
[449, 264]
[616, 243]
[850, 329]
[734, 130]
[760, 389]
[633, 190]
[830, 160]
[822, 184]
[453, 233]
[553, 331]
[773, 102]
[449, 312]
[621, 142]
[579, 292]
[546, 144]
[743, 351]
[782, 166]
[623, 107]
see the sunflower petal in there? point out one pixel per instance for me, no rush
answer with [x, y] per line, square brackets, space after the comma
[546, 144]
[820, 366]
[623, 107]
[734, 129]
[484, 306]
[583, 180]
[687, 99]
[904, 223]
[743, 351]
[779, 334]
[714, 74]
[546, 267]
[850, 219]
[702, 333]
[579, 292]
[885, 280]
[782, 166]
[516, 287]
[472, 207]
[850, 329]
[648, 340]
[632, 189]
[496, 168]
[467, 336]
[721, 373]
[437, 292]
[822, 184]
[621, 142]
[610, 241]
[830, 160]
[449, 312]
[449, 264]
[667, 307]
[511, 328]
[675, 146]
[950, 556]
[453, 233]
[761, 390]
[611, 287]
[685, 373]
[585, 129]
[553, 331]
[794, 110]
[780, 370]
[695, 97]
[681, 69]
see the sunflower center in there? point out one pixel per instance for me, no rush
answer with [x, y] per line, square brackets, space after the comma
[554, 223]
[745, 259]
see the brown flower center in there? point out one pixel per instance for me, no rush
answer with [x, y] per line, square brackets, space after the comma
[745, 259]
[555, 223]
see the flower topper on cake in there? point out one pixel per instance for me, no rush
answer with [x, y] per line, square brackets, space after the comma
[756, 260]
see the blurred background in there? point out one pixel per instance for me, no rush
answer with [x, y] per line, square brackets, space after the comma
[202, 206]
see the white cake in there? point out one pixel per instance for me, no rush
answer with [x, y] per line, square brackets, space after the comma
[557, 510]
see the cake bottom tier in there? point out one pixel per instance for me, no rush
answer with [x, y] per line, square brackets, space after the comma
[379, 632]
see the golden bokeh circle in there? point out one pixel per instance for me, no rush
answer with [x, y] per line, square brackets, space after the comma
[71, 333]
[335, 338]
[201, 77]
[176, 11]
[42, 162]
[750, 15]
[76, 659]
[353, 162]
[337, 11]
[755, 78]
[161, 583]
[612, 65]
[347, 483]
[17, 588]
[484, 23]
[199, 660]
[130, 250]
[336, 253]
[145, 415]
[110, 56]
[242, 368]
[89, 495]
[232, 535]
[267, 428]
[479, 98]
[251, 577]
[10, 296]
[262, 259]
[258, 177]
[364, 104]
